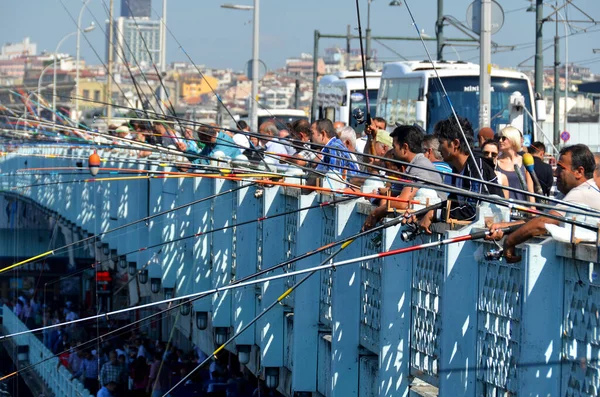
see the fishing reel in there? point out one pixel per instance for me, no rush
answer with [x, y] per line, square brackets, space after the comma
[358, 115]
[411, 232]
[494, 254]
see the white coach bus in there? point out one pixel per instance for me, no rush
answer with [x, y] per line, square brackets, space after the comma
[410, 92]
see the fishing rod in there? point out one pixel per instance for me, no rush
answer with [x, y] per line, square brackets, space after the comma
[344, 242]
[457, 191]
[448, 99]
[441, 172]
[469, 178]
[124, 61]
[364, 66]
[333, 265]
[572, 205]
[144, 219]
[52, 252]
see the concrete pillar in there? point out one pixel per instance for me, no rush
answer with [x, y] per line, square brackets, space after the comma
[458, 310]
[395, 317]
[306, 298]
[270, 326]
[224, 208]
[345, 308]
[244, 299]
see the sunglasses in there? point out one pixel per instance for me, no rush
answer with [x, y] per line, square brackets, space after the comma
[490, 154]
[502, 138]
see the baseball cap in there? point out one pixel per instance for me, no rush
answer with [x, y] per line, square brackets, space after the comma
[384, 137]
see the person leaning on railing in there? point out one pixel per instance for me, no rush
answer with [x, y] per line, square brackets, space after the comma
[574, 178]
[451, 134]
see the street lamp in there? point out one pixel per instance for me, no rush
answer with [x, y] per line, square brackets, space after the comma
[86, 30]
[39, 90]
[83, 7]
[255, 36]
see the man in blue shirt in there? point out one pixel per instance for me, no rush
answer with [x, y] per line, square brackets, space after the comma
[215, 141]
[334, 155]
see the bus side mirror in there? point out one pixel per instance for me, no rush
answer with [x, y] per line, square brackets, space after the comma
[421, 113]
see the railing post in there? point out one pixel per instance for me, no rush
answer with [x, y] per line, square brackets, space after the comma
[244, 299]
[458, 336]
[539, 368]
[345, 308]
[395, 321]
[306, 317]
[270, 325]
[222, 252]
[201, 254]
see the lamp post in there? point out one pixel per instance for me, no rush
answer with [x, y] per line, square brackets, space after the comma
[39, 90]
[86, 30]
[539, 67]
[83, 7]
[255, 36]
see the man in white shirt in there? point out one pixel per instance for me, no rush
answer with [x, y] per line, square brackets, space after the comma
[574, 178]
[270, 142]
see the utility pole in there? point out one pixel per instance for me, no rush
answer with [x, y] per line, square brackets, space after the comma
[485, 66]
[348, 48]
[556, 96]
[439, 30]
[539, 48]
[110, 63]
[255, 41]
[313, 108]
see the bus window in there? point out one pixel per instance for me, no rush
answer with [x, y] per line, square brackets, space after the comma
[463, 92]
[399, 103]
[330, 114]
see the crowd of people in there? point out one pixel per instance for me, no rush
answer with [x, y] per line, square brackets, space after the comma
[448, 157]
[133, 364]
[445, 157]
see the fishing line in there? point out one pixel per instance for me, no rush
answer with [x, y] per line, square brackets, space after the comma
[344, 242]
[325, 265]
[435, 69]
[572, 205]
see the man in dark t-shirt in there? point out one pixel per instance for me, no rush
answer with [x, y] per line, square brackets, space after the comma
[455, 151]
[543, 171]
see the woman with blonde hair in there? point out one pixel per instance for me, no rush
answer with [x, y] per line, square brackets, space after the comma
[510, 162]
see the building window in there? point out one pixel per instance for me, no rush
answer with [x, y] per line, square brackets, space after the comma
[96, 95]
[86, 94]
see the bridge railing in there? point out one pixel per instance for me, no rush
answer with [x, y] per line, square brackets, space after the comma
[446, 315]
[56, 377]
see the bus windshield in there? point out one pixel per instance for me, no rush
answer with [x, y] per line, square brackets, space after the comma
[358, 100]
[464, 94]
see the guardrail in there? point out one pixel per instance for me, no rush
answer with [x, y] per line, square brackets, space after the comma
[463, 324]
[55, 376]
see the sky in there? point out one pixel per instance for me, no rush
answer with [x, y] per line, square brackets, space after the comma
[222, 38]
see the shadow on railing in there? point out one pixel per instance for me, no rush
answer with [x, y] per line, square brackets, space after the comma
[57, 378]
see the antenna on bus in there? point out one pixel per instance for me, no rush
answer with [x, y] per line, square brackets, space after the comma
[367, 119]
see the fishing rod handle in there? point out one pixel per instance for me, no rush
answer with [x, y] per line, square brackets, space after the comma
[484, 233]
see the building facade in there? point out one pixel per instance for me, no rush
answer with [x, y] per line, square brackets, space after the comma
[136, 8]
[137, 42]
